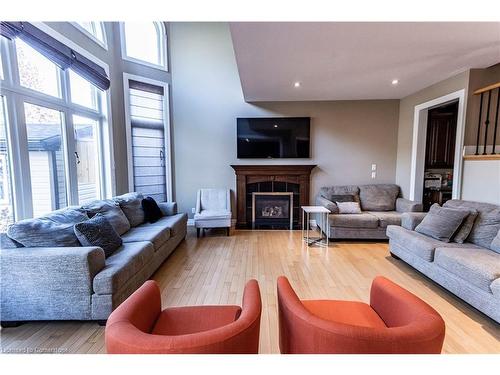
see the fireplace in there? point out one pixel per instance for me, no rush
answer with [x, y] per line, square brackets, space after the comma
[287, 179]
[272, 210]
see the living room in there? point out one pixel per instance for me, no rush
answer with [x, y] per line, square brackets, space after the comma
[265, 187]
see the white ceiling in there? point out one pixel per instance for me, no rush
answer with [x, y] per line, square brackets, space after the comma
[344, 61]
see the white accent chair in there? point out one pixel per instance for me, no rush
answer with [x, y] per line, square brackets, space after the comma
[213, 210]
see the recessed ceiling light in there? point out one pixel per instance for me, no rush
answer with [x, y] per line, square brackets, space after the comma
[296, 84]
[395, 82]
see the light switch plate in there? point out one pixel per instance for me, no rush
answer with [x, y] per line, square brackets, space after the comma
[374, 167]
[193, 210]
[374, 174]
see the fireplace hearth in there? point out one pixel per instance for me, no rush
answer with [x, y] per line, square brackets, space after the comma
[272, 210]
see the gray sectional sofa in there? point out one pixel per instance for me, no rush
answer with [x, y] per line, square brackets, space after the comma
[381, 206]
[79, 283]
[470, 270]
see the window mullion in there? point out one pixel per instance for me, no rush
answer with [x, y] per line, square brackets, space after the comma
[71, 167]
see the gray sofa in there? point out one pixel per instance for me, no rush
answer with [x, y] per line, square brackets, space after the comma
[79, 283]
[470, 270]
[381, 206]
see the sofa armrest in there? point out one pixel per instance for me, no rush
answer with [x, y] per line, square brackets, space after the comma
[322, 201]
[168, 208]
[406, 205]
[410, 220]
[47, 283]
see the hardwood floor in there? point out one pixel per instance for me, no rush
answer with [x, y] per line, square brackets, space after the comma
[214, 269]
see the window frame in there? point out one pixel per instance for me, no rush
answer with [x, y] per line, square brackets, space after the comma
[102, 43]
[15, 97]
[162, 46]
[167, 125]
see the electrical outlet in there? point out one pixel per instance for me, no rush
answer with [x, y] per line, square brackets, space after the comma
[374, 174]
[193, 210]
[374, 167]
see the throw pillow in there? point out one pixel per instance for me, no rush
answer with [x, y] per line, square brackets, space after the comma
[342, 198]
[52, 230]
[131, 205]
[349, 207]
[495, 244]
[441, 223]
[466, 227]
[152, 212]
[111, 211]
[98, 232]
[485, 228]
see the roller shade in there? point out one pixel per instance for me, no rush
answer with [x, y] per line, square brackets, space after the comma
[57, 52]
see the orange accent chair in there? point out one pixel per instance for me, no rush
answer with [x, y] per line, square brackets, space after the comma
[139, 325]
[395, 322]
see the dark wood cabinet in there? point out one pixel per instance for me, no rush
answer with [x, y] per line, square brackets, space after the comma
[441, 134]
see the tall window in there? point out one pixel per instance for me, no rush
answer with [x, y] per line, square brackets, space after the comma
[148, 136]
[54, 119]
[94, 30]
[144, 42]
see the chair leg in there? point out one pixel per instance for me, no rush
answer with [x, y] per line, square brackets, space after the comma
[197, 232]
[227, 230]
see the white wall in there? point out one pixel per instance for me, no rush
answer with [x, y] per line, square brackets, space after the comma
[481, 181]
[346, 136]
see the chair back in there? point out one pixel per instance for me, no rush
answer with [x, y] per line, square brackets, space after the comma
[214, 199]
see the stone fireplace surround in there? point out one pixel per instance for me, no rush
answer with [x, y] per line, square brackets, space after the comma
[270, 178]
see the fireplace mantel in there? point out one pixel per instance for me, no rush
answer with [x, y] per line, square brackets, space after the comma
[248, 174]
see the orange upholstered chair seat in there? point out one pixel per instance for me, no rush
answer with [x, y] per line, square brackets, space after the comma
[395, 321]
[139, 325]
[345, 312]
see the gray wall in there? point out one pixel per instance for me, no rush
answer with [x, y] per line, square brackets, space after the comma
[117, 67]
[405, 132]
[347, 136]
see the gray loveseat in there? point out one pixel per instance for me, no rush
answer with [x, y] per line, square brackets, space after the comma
[381, 206]
[79, 283]
[470, 270]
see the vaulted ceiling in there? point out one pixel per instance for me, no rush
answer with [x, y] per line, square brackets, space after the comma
[345, 61]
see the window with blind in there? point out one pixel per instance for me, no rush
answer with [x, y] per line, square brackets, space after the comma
[148, 137]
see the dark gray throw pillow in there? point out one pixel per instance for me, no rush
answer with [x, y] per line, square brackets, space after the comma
[441, 223]
[52, 230]
[342, 198]
[98, 232]
[111, 211]
[466, 227]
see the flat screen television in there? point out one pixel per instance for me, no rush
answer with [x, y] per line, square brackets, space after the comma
[273, 137]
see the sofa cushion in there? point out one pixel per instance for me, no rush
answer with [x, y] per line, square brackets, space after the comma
[157, 235]
[487, 223]
[419, 244]
[98, 232]
[442, 222]
[125, 262]
[363, 220]
[111, 211]
[329, 191]
[131, 205]
[480, 267]
[379, 197]
[177, 223]
[52, 230]
[386, 218]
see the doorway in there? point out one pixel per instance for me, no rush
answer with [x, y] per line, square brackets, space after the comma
[419, 144]
[440, 154]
